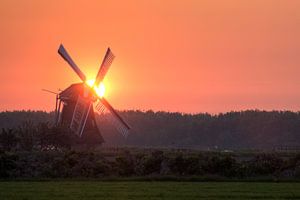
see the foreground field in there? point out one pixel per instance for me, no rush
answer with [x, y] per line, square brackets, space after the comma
[147, 190]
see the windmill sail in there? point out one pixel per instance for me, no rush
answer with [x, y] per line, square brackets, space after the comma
[63, 52]
[80, 115]
[119, 126]
[108, 58]
[100, 107]
[117, 121]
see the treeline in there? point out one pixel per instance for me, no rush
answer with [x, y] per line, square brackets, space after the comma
[233, 130]
[13, 119]
[43, 137]
[159, 164]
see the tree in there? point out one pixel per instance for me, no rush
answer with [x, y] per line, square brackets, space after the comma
[8, 139]
[27, 133]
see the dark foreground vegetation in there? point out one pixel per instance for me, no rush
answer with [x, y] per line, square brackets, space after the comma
[250, 129]
[75, 190]
[149, 164]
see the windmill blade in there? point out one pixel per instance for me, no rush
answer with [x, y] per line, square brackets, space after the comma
[118, 122]
[86, 117]
[108, 58]
[100, 107]
[63, 52]
[80, 115]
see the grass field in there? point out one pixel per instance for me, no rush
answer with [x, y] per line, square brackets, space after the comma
[147, 190]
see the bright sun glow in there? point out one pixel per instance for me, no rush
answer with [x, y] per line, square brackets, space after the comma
[100, 89]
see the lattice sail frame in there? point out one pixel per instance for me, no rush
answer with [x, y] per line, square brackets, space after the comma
[120, 127]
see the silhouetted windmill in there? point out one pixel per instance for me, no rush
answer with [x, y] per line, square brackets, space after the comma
[77, 101]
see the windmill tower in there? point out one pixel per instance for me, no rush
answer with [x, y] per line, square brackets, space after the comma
[75, 104]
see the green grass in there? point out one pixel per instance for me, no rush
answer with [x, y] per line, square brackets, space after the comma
[147, 190]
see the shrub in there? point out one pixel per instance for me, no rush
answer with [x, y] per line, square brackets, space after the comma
[265, 164]
[7, 164]
[125, 164]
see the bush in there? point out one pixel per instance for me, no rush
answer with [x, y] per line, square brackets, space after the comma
[221, 165]
[265, 164]
[186, 164]
[125, 164]
[92, 164]
[152, 163]
[7, 164]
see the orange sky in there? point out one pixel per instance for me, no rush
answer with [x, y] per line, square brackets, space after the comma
[187, 56]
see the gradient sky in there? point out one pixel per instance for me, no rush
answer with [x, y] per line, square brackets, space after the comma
[188, 56]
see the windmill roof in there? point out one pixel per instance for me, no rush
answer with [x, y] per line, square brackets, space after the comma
[72, 91]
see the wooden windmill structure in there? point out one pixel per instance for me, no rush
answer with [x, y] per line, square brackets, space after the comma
[75, 104]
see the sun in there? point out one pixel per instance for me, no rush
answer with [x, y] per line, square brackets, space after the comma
[100, 89]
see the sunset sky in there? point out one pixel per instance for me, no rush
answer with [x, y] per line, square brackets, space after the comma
[187, 56]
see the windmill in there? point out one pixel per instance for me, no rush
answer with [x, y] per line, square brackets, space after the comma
[77, 101]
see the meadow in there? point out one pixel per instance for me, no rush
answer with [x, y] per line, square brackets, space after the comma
[147, 190]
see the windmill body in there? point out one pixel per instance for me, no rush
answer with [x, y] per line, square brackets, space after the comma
[74, 107]
[68, 98]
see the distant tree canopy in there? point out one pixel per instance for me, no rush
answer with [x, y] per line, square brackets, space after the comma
[13, 119]
[232, 130]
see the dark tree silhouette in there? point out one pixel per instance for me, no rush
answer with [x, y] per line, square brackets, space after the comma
[8, 139]
[251, 129]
